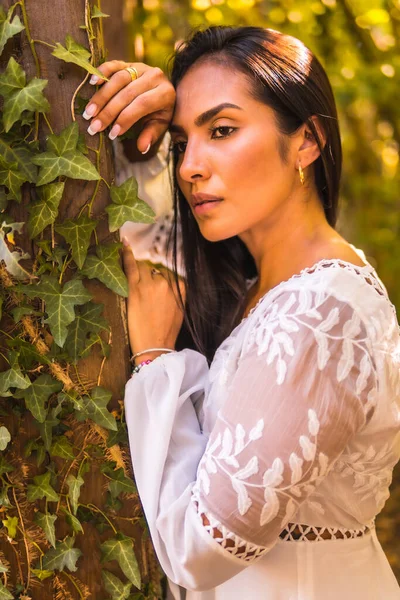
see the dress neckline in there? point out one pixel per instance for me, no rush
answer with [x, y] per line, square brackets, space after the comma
[317, 266]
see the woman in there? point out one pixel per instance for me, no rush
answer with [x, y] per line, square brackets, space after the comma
[263, 456]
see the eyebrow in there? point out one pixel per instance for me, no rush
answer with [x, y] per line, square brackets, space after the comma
[205, 116]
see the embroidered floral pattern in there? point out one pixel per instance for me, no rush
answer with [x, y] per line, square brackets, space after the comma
[306, 361]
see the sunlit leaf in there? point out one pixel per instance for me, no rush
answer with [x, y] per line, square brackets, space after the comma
[46, 522]
[77, 54]
[127, 206]
[5, 437]
[77, 233]
[63, 556]
[120, 549]
[37, 394]
[106, 268]
[96, 408]
[41, 488]
[74, 490]
[8, 26]
[44, 210]
[115, 587]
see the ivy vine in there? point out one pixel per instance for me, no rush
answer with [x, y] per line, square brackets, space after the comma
[50, 322]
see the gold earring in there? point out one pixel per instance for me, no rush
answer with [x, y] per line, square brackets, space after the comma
[301, 173]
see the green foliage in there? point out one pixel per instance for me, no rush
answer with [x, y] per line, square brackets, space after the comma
[52, 323]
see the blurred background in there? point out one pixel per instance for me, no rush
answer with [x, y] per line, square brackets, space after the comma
[358, 42]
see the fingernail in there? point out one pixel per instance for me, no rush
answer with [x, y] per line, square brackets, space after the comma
[94, 127]
[114, 132]
[125, 242]
[94, 79]
[89, 111]
[147, 149]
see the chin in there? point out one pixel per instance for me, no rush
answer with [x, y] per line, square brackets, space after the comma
[216, 234]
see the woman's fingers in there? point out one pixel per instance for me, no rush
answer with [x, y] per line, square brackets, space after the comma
[130, 265]
[124, 102]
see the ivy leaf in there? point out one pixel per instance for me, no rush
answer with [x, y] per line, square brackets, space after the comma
[121, 483]
[77, 54]
[4, 593]
[96, 13]
[62, 448]
[5, 467]
[41, 488]
[73, 522]
[5, 437]
[13, 377]
[12, 258]
[77, 233]
[21, 156]
[96, 408]
[106, 268]
[8, 28]
[46, 522]
[44, 210]
[60, 302]
[11, 523]
[20, 311]
[88, 321]
[46, 428]
[19, 96]
[127, 206]
[12, 179]
[62, 157]
[74, 490]
[120, 549]
[37, 394]
[115, 587]
[42, 574]
[64, 555]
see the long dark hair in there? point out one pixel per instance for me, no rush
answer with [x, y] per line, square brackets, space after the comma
[286, 76]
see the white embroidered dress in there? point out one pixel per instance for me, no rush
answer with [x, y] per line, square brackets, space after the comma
[296, 422]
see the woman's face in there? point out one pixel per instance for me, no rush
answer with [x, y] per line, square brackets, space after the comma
[228, 146]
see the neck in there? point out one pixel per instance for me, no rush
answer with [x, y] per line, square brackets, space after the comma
[289, 241]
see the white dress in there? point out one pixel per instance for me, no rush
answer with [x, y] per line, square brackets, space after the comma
[294, 428]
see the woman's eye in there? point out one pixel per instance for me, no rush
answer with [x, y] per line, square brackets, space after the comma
[223, 131]
[179, 147]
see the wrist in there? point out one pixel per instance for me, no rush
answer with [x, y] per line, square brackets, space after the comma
[147, 356]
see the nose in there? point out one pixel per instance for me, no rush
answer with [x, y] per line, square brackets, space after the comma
[194, 163]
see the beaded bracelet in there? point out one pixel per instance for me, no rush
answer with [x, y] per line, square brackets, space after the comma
[140, 365]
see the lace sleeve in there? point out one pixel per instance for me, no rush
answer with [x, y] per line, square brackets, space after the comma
[305, 384]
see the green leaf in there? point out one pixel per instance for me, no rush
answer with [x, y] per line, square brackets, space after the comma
[8, 27]
[74, 490]
[65, 142]
[64, 555]
[42, 574]
[44, 210]
[96, 13]
[73, 165]
[41, 488]
[115, 587]
[88, 321]
[5, 437]
[4, 593]
[77, 54]
[19, 96]
[62, 448]
[60, 302]
[21, 156]
[121, 483]
[96, 408]
[11, 523]
[77, 233]
[20, 311]
[11, 258]
[37, 394]
[106, 268]
[73, 522]
[46, 429]
[120, 549]
[46, 522]
[13, 377]
[13, 180]
[5, 467]
[127, 206]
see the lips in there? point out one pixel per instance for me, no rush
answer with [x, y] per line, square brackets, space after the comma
[201, 198]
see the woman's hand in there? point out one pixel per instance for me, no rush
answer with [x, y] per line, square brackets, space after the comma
[154, 316]
[124, 102]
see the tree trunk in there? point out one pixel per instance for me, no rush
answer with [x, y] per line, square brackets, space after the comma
[50, 21]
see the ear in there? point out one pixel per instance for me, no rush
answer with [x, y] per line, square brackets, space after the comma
[309, 150]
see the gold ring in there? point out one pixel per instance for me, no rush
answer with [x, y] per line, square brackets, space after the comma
[132, 72]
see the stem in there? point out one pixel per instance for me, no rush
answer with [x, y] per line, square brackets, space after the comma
[96, 509]
[28, 558]
[44, 43]
[28, 35]
[74, 584]
[48, 123]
